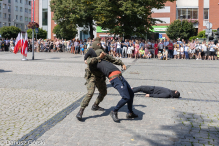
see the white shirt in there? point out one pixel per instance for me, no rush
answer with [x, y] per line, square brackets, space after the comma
[118, 44]
[166, 43]
[186, 49]
[204, 48]
[160, 46]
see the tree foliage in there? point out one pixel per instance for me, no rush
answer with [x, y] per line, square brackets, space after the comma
[41, 33]
[184, 31]
[62, 32]
[9, 31]
[124, 18]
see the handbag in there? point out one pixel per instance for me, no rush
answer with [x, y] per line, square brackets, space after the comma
[132, 48]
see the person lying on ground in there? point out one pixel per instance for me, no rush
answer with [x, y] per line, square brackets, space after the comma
[157, 92]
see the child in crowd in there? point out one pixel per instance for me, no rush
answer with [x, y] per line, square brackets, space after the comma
[178, 51]
[159, 55]
[165, 54]
[82, 49]
[182, 52]
[217, 53]
[149, 55]
[186, 51]
[141, 53]
[175, 51]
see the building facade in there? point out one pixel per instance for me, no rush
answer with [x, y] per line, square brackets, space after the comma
[15, 13]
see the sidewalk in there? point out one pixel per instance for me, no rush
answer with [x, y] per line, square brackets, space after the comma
[191, 120]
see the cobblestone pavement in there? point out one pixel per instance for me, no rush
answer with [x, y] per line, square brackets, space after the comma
[191, 120]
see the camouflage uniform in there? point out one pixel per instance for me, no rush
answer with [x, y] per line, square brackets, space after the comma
[94, 77]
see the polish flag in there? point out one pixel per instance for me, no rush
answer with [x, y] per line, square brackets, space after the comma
[24, 46]
[17, 43]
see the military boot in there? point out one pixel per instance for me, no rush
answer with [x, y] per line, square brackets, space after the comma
[114, 116]
[96, 107]
[80, 113]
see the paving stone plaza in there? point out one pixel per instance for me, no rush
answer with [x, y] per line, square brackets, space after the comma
[40, 98]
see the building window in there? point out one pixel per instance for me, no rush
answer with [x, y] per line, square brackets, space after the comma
[9, 8]
[9, 1]
[16, 17]
[9, 24]
[45, 16]
[5, 15]
[0, 6]
[29, 19]
[16, 8]
[0, 24]
[26, 19]
[21, 9]
[26, 10]
[206, 13]
[4, 6]
[187, 13]
[30, 3]
[29, 11]
[16, 1]
[0, 15]
[21, 1]
[26, 2]
[21, 18]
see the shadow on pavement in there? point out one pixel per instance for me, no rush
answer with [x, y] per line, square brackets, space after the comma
[2, 71]
[123, 109]
[188, 129]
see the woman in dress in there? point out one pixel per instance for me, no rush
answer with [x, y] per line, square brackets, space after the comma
[136, 49]
[156, 48]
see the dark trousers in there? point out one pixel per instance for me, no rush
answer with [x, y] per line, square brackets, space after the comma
[145, 89]
[170, 52]
[124, 89]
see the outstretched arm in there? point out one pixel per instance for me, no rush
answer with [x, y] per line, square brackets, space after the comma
[113, 60]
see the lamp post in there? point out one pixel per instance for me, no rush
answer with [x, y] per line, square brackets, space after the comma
[33, 34]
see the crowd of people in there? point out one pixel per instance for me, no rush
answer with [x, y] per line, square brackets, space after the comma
[132, 48]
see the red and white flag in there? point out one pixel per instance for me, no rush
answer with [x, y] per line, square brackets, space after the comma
[24, 47]
[16, 47]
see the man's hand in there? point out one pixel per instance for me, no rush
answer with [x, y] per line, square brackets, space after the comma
[102, 55]
[85, 61]
[124, 67]
[147, 95]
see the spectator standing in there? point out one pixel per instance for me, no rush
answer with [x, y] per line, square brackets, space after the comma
[204, 50]
[76, 45]
[160, 46]
[170, 49]
[0, 45]
[166, 43]
[136, 49]
[124, 49]
[118, 49]
[212, 51]
[7, 44]
[156, 48]
[192, 49]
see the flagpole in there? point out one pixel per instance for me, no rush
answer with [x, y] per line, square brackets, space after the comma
[33, 35]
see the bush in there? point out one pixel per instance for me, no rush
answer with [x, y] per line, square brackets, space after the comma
[65, 32]
[41, 33]
[176, 30]
[9, 31]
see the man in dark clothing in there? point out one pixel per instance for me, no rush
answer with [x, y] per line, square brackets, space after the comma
[157, 92]
[116, 80]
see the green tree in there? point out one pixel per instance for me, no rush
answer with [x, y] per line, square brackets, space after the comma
[9, 31]
[126, 18]
[176, 30]
[41, 33]
[62, 32]
[72, 13]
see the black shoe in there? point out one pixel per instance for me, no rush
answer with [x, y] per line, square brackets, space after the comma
[80, 113]
[97, 108]
[114, 116]
[131, 115]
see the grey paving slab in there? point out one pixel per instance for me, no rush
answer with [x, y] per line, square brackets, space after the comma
[191, 120]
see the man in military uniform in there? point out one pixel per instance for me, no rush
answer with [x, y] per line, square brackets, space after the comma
[96, 78]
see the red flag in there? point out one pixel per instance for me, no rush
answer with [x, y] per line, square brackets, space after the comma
[18, 45]
[24, 47]
[16, 49]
